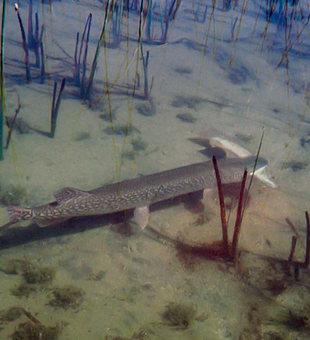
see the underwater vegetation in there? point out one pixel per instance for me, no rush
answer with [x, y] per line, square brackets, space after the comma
[295, 166]
[40, 275]
[11, 314]
[20, 125]
[36, 331]
[107, 117]
[119, 130]
[14, 266]
[67, 297]
[304, 141]
[129, 154]
[34, 277]
[82, 136]
[140, 335]
[178, 315]
[186, 118]
[14, 195]
[146, 109]
[183, 70]
[97, 276]
[138, 144]
[22, 290]
[190, 102]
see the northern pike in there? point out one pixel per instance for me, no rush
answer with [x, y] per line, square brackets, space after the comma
[138, 193]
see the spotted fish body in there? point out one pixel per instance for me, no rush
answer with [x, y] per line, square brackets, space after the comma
[138, 192]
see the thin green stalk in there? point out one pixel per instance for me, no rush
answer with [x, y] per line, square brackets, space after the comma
[3, 107]
[100, 41]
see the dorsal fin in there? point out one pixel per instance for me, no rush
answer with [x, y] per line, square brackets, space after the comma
[67, 194]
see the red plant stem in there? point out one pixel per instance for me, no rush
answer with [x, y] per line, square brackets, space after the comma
[290, 223]
[290, 258]
[239, 217]
[307, 258]
[222, 206]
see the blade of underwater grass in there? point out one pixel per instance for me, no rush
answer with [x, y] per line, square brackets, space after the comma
[239, 218]
[3, 106]
[55, 106]
[95, 60]
[307, 257]
[25, 45]
[88, 25]
[11, 127]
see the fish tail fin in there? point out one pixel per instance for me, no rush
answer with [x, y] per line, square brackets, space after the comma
[17, 214]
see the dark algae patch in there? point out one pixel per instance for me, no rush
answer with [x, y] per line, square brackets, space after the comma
[183, 70]
[11, 314]
[120, 130]
[67, 297]
[36, 331]
[22, 290]
[82, 136]
[34, 277]
[35, 274]
[14, 195]
[178, 315]
[138, 144]
[295, 166]
[146, 109]
[14, 266]
[191, 102]
[186, 118]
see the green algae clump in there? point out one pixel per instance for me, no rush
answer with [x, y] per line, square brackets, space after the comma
[36, 331]
[178, 315]
[67, 297]
[22, 290]
[40, 275]
[14, 195]
[11, 314]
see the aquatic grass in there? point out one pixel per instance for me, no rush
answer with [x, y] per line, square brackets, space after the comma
[30, 25]
[239, 217]
[24, 43]
[79, 75]
[55, 106]
[145, 61]
[186, 118]
[42, 62]
[54, 110]
[11, 126]
[38, 41]
[3, 103]
[95, 60]
[197, 13]
[174, 6]
[149, 22]
[117, 18]
[307, 257]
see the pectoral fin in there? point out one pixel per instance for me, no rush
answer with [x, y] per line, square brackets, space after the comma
[141, 216]
[48, 223]
[263, 175]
